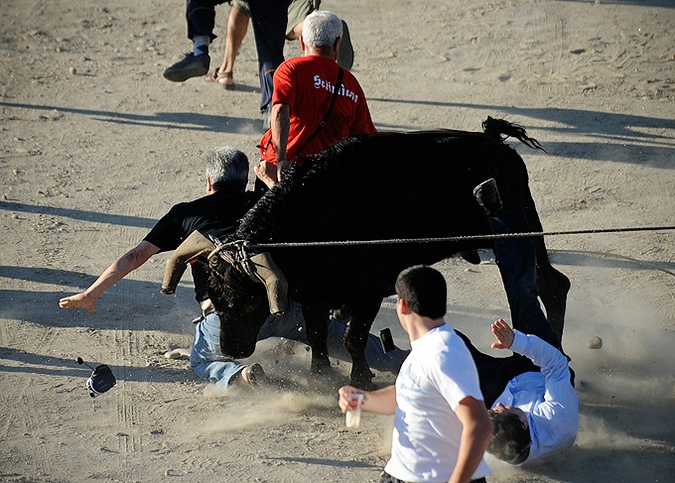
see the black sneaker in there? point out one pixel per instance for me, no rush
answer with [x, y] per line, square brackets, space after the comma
[190, 66]
[345, 57]
[256, 376]
[488, 197]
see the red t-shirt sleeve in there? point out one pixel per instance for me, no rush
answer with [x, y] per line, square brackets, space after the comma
[283, 86]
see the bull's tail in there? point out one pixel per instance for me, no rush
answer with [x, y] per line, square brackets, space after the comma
[499, 130]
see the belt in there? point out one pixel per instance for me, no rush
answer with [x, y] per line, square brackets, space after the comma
[206, 312]
[387, 478]
[209, 311]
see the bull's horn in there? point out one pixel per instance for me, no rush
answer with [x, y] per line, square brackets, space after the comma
[275, 282]
[193, 246]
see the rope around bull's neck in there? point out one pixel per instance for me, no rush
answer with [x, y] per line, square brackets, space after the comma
[458, 238]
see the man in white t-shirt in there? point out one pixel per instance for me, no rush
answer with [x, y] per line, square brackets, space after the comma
[441, 427]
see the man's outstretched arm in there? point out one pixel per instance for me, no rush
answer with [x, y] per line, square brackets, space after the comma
[124, 265]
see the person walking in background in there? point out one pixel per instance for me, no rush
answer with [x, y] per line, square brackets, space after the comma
[269, 19]
[237, 25]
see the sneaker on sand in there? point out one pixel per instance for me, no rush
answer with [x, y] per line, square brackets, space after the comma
[488, 197]
[190, 66]
[256, 376]
[345, 57]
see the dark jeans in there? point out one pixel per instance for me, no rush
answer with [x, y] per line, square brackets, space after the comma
[517, 262]
[387, 478]
[269, 18]
[201, 17]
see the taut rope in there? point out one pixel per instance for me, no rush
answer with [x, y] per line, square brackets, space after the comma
[459, 238]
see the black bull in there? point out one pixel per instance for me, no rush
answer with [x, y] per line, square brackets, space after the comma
[373, 187]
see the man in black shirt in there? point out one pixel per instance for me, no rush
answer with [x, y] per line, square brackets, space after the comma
[218, 214]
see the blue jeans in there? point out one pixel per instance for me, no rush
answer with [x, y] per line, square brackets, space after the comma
[206, 359]
[269, 18]
[208, 362]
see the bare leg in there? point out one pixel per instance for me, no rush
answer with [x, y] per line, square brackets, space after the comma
[237, 25]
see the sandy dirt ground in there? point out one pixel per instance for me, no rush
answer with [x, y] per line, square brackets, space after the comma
[95, 146]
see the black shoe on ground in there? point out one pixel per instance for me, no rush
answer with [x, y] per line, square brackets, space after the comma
[190, 66]
[345, 57]
[256, 376]
[487, 195]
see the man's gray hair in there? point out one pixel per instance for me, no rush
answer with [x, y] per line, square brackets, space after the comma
[321, 28]
[227, 166]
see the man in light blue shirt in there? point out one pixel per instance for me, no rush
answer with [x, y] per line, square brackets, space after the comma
[543, 402]
[534, 407]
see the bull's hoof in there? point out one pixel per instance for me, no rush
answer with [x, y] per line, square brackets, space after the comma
[362, 377]
[321, 366]
[366, 385]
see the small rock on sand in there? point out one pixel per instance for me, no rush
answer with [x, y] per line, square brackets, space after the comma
[594, 342]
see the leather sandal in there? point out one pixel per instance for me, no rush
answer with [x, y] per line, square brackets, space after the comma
[224, 79]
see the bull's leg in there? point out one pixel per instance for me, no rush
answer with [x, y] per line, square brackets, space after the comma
[316, 322]
[553, 289]
[356, 338]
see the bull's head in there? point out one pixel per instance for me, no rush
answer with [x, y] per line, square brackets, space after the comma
[235, 287]
[241, 305]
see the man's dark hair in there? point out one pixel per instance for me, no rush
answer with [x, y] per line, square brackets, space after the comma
[510, 440]
[424, 290]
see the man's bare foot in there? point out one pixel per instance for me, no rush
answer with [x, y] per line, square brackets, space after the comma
[79, 301]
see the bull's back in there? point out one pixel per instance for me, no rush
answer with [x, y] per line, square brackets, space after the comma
[381, 187]
[395, 186]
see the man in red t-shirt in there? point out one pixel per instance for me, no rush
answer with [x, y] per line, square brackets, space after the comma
[303, 95]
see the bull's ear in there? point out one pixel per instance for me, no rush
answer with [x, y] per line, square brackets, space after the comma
[275, 282]
[194, 245]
